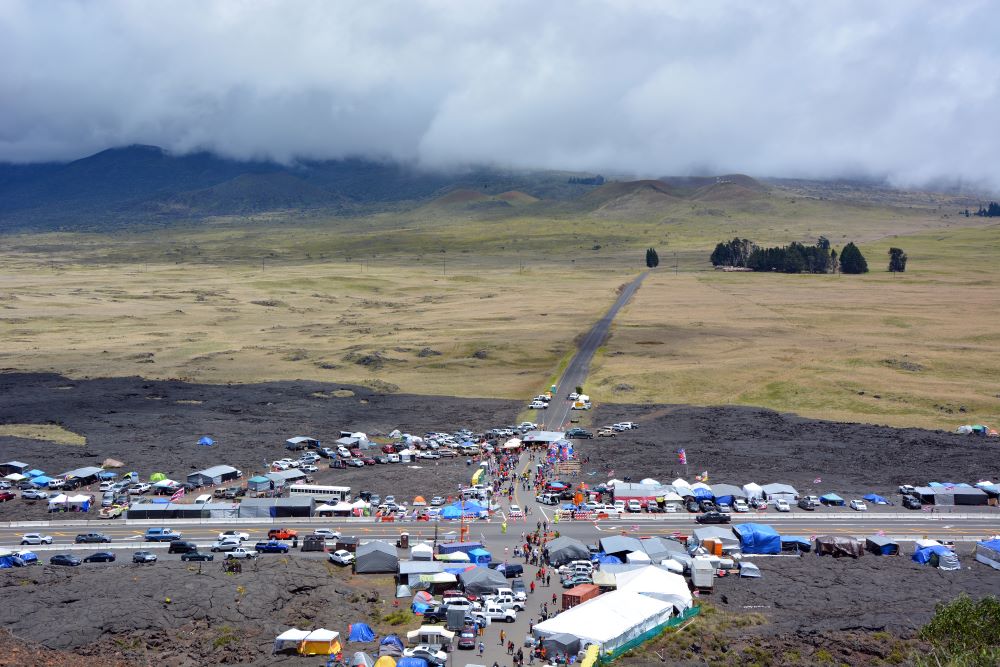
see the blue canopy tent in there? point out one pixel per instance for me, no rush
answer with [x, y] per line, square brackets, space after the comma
[832, 499]
[703, 494]
[41, 480]
[107, 474]
[480, 556]
[757, 538]
[206, 441]
[607, 559]
[876, 499]
[795, 543]
[360, 632]
[6, 561]
[34, 472]
[457, 509]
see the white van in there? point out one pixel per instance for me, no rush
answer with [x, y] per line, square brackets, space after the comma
[203, 498]
[393, 458]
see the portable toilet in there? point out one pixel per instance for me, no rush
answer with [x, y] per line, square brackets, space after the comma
[703, 573]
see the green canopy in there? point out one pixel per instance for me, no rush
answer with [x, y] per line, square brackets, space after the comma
[157, 477]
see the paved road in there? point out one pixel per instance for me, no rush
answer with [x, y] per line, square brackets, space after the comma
[576, 372]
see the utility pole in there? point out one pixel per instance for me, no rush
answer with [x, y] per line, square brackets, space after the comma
[675, 263]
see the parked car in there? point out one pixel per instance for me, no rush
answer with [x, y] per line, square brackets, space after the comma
[197, 556]
[234, 492]
[426, 652]
[281, 534]
[740, 505]
[100, 557]
[912, 503]
[241, 553]
[692, 506]
[605, 432]
[356, 463]
[7, 495]
[782, 505]
[272, 547]
[341, 557]
[579, 433]
[85, 538]
[161, 535]
[713, 517]
[143, 557]
[538, 405]
[36, 538]
[65, 559]
[225, 545]
[181, 547]
[807, 504]
[337, 463]
[233, 535]
[327, 533]
[34, 494]
[437, 501]
[467, 640]
[858, 505]
[633, 506]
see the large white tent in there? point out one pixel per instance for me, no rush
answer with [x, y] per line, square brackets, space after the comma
[610, 620]
[289, 640]
[656, 582]
[753, 491]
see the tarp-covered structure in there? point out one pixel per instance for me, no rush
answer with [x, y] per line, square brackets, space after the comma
[948, 494]
[727, 494]
[390, 645]
[779, 492]
[758, 538]
[988, 552]
[565, 549]
[619, 545]
[374, 557]
[562, 644]
[724, 535]
[361, 632]
[831, 499]
[837, 546]
[422, 551]
[938, 556]
[880, 545]
[480, 580]
[612, 620]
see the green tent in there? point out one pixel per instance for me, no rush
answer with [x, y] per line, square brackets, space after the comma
[157, 477]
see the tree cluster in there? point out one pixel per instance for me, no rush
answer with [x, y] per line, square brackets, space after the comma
[590, 180]
[733, 253]
[796, 257]
[852, 261]
[897, 260]
[793, 258]
[991, 211]
[652, 259]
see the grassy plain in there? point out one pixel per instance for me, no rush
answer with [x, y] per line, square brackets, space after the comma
[447, 301]
[46, 432]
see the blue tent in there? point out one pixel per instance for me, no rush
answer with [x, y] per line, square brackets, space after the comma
[6, 562]
[360, 632]
[832, 499]
[479, 556]
[757, 538]
[41, 480]
[107, 474]
[926, 554]
[451, 513]
[392, 640]
[878, 500]
[34, 472]
[206, 441]
[703, 494]
[456, 509]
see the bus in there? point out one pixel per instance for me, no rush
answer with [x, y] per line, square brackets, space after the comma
[334, 494]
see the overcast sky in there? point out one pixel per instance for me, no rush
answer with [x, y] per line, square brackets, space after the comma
[908, 89]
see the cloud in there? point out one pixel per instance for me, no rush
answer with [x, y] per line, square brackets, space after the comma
[904, 89]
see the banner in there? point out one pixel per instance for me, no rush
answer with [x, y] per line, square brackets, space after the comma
[682, 457]
[178, 494]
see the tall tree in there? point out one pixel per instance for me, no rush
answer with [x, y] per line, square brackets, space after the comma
[897, 260]
[652, 259]
[851, 260]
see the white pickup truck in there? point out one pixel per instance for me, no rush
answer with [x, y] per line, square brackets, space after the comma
[494, 613]
[506, 601]
[240, 552]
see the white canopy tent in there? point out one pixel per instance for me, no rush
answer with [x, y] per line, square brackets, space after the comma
[637, 557]
[422, 551]
[657, 582]
[610, 620]
[753, 491]
[650, 481]
[15, 477]
[681, 487]
[289, 640]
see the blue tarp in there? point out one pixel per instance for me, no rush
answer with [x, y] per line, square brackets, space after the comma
[608, 559]
[877, 499]
[26, 558]
[107, 474]
[411, 662]
[923, 556]
[757, 538]
[479, 556]
[360, 632]
[456, 509]
[464, 547]
[34, 472]
[419, 607]
[206, 441]
[831, 499]
[41, 480]
[791, 542]
[6, 562]
[703, 494]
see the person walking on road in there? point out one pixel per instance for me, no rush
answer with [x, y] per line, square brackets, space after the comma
[532, 588]
[482, 648]
[503, 635]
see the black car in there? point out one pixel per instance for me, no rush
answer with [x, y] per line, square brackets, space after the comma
[713, 517]
[382, 460]
[807, 504]
[235, 492]
[85, 538]
[437, 614]
[65, 559]
[911, 503]
[100, 557]
[181, 547]
[708, 506]
[692, 506]
[197, 555]
[577, 432]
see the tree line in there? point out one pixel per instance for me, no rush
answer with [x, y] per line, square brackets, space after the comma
[798, 258]
[990, 211]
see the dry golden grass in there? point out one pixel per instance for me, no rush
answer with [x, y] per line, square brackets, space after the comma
[910, 349]
[495, 332]
[46, 432]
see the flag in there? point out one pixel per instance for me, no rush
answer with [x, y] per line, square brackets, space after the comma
[682, 457]
[178, 494]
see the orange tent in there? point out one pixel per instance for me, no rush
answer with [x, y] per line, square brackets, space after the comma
[419, 500]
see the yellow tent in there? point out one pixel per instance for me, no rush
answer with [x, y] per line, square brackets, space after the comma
[385, 661]
[321, 642]
[477, 475]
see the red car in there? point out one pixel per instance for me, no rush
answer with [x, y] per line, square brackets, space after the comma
[388, 449]
[356, 453]
[6, 495]
[369, 461]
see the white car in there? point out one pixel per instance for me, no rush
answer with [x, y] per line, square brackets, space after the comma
[327, 533]
[859, 505]
[229, 545]
[633, 506]
[36, 538]
[515, 509]
[437, 501]
[280, 465]
[671, 508]
[782, 505]
[428, 653]
[740, 506]
[308, 467]
[620, 505]
[538, 405]
[573, 396]
[231, 535]
[341, 557]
